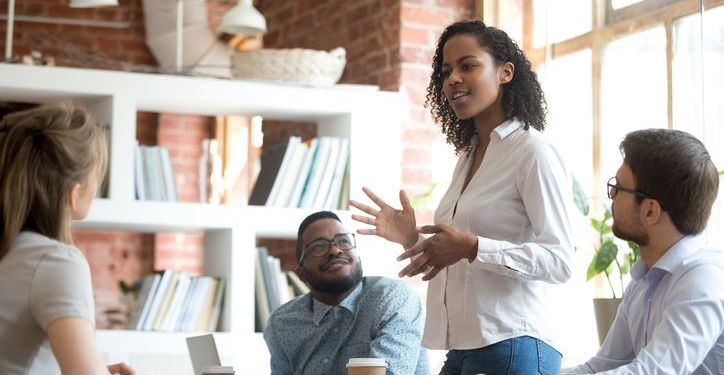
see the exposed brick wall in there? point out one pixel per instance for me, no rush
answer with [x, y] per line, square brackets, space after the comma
[114, 257]
[183, 135]
[367, 29]
[81, 46]
[179, 251]
[421, 25]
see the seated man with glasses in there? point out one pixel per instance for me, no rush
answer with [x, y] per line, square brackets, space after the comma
[671, 320]
[345, 315]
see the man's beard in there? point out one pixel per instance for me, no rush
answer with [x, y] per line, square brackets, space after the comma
[339, 285]
[640, 237]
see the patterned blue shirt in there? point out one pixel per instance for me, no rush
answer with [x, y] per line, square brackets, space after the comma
[380, 318]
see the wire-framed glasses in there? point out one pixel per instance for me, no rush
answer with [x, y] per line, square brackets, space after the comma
[321, 246]
[613, 189]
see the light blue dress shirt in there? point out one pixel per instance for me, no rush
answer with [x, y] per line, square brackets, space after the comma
[381, 318]
[671, 319]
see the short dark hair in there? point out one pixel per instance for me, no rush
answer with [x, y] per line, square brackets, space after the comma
[523, 97]
[307, 222]
[674, 168]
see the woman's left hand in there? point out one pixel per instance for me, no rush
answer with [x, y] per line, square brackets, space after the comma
[121, 369]
[446, 246]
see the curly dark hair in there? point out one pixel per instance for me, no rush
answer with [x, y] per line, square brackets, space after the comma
[522, 96]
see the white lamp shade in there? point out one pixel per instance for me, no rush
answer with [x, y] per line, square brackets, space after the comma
[92, 3]
[243, 19]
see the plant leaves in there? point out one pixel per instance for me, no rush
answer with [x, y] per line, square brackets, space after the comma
[628, 261]
[579, 197]
[635, 250]
[603, 259]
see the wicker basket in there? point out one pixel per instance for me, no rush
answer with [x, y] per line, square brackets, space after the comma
[305, 66]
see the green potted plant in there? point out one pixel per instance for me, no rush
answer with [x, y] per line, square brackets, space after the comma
[612, 258]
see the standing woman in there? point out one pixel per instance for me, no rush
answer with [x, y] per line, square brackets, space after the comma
[501, 237]
[51, 159]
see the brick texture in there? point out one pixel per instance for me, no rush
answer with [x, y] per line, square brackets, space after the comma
[81, 46]
[114, 257]
[389, 43]
[367, 29]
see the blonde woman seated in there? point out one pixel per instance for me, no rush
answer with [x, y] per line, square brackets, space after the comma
[51, 158]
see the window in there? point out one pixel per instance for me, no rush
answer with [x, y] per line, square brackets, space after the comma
[609, 67]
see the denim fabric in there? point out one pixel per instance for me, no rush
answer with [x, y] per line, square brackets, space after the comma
[523, 355]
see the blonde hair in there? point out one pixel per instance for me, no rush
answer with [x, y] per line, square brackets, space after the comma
[44, 152]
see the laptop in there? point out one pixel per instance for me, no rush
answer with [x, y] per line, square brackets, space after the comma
[203, 352]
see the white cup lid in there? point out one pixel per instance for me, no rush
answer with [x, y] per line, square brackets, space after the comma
[366, 362]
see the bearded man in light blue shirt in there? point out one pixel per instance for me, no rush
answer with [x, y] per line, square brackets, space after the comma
[345, 315]
[672, 316]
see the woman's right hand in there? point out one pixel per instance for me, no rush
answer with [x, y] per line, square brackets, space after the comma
[389, 223]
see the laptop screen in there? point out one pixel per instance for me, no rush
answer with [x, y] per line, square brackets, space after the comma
[203, 352]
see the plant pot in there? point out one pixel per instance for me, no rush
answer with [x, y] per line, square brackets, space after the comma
[605, 310]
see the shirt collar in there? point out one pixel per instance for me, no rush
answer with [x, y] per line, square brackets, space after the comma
[681, 250]
[320, 309]
[671, 258]
[507, 128]
[501, 131]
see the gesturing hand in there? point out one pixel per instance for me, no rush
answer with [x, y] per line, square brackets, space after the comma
[447, 246]
[121, 369]
[389, 223]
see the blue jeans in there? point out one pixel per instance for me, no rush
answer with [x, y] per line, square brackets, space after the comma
[523, 355]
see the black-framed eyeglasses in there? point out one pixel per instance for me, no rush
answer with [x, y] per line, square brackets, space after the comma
[321, 246]
[613, 189]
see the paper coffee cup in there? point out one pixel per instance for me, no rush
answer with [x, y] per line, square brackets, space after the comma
[366, 366]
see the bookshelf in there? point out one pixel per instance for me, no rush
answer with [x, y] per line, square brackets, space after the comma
[369, 118]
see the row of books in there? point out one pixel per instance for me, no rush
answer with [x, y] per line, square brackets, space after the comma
[153, 174]
[174, 301]
[273, 287]
[312, 174]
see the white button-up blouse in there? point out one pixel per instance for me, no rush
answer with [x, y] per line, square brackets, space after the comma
[518, 204]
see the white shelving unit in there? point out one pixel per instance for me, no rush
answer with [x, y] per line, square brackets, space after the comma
[369, 118]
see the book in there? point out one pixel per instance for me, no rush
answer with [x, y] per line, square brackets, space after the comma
[174, 309]
[216, 307]
[166, 301]
[139, 180]
[270, 281]
[208, 303]
[324, 184]
[203, 182]
[343, 202]
[271, 160]
[186, 306]
[300, 288]
[291, 175]
[262, 301]
[335, 188]
[195, 304]
[303, 176]
[168, 181]
[281, 280]
[294, 143]
[315, 174]
[145, 296]
[157, 299]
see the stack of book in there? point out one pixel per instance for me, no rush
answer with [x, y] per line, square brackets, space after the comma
[312, 174]
[174, 301]
[274, 287]
[154, 175]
